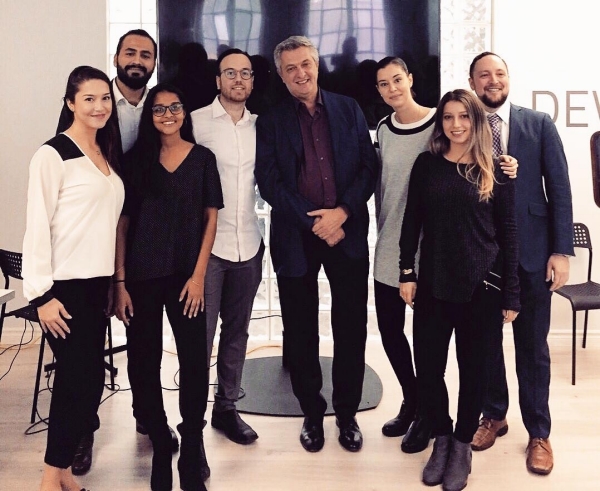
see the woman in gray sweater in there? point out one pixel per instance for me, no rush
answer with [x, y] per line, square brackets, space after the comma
[400, 138]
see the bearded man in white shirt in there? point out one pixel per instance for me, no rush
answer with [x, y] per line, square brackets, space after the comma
[235, 266]
[135, 62]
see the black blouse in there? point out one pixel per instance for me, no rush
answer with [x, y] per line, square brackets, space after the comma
[462, 236]
[165, 231]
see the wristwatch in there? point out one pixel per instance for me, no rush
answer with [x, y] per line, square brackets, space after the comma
[406, 271]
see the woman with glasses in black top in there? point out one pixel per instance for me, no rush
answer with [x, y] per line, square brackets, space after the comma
[164, 240]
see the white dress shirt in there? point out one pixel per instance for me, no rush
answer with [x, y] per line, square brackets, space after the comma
[238, 236]
[129, 117]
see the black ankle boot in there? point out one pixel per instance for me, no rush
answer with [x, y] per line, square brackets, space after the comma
[162, 471]
[418, 436]
[192, 464]
[433, 473]
[399, 425]
[458, 467]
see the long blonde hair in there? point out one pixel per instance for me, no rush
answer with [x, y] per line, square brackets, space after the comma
[481, 171]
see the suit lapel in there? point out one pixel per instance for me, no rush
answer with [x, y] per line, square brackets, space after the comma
[515, 129]
[289, 120]
[338, 127]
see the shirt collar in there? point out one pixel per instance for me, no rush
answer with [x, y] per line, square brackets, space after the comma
[218, 111]
[120, 97]
[503, 111]
[298, 102]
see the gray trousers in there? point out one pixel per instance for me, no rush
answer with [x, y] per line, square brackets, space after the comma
[229, 290]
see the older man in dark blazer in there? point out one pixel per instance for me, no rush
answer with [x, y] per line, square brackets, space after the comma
[316, 167]
[545, 228]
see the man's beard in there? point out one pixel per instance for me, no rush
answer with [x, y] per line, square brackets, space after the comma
[493, 104]
[134, 83]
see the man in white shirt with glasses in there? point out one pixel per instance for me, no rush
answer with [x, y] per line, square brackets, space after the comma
[235, 266]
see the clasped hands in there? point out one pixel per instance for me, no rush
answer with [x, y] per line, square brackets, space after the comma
[328, 224]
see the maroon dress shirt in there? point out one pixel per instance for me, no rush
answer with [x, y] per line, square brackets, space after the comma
[316, 181]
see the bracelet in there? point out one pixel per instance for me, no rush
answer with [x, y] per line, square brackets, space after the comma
[118, 281]
[192, 280]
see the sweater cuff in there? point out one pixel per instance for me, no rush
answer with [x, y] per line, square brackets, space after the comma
[42, 300]
[408, 278]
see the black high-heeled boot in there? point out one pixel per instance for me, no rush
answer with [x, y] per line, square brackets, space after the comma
[192, 464]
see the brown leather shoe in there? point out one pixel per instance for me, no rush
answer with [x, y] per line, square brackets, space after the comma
[540, 459]
[487, 432]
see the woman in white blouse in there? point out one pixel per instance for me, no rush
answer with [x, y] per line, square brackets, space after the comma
[74, 201]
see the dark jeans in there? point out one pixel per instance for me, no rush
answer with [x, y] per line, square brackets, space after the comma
[391, 311]
[79, 374]
[532, 356]
[299, 299]
[434, 322]
[144, 355]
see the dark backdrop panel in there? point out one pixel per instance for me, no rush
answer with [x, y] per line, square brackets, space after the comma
[350, 40]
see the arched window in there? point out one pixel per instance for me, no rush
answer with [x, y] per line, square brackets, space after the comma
[354, 28]
[235, 23]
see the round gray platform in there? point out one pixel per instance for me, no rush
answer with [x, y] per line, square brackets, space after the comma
[268, 391]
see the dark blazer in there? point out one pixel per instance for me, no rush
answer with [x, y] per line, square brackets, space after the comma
[279, 157]
[543, 193]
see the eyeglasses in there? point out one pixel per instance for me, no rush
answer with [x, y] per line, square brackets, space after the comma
[245, 73]
[175, 109]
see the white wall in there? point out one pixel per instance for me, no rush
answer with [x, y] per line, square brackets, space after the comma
[40, 43]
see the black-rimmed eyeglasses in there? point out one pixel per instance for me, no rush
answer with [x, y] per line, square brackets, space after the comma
[245, 73]
[160, 110]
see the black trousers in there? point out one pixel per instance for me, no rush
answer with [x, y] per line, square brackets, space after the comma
[299, 299]
[434, 322]
[79, 374]
[391, 312]
[144, 355]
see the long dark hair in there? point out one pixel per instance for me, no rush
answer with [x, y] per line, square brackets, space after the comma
[142, 161]
[108, 137]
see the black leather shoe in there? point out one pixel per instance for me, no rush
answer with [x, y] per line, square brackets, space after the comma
[312, 436]
[350, 436]
[83, 455]
[141, 429]
[399, 425]
[233, 426]
[418, 436]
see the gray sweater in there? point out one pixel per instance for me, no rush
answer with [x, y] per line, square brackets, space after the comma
[398, 146]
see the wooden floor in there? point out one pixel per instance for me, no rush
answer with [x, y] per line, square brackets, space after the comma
[277, 462]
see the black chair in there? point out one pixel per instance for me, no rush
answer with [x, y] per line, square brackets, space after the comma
[595, 152]
[10, 264]
[583, 296]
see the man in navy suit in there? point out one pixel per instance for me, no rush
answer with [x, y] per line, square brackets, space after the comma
[316, 167]
[545, 230]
